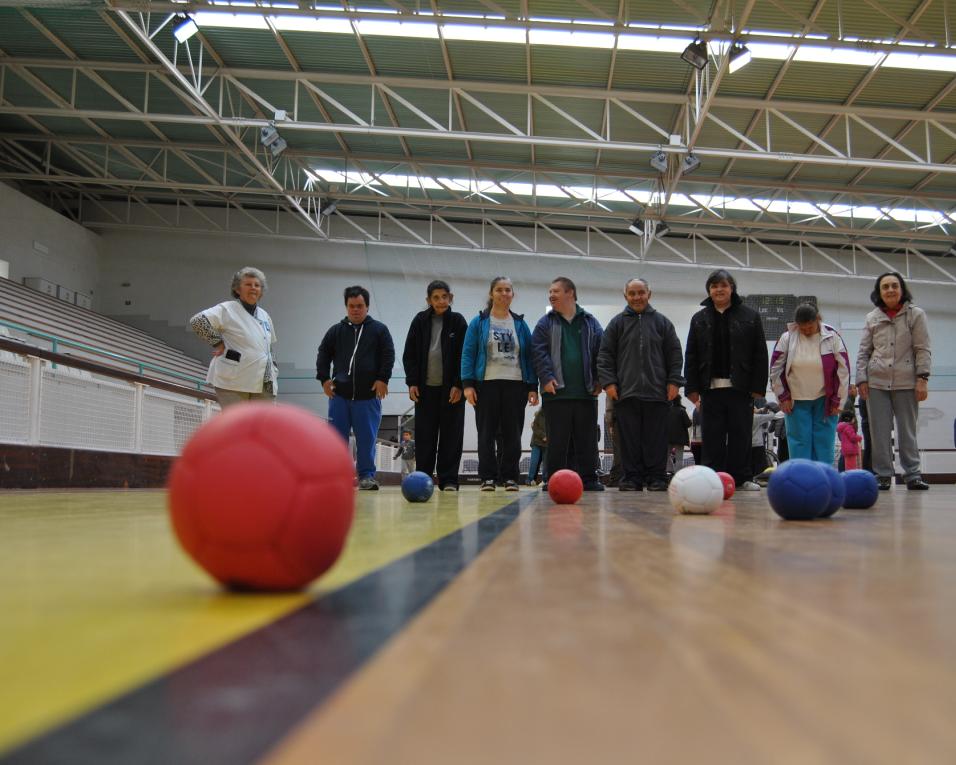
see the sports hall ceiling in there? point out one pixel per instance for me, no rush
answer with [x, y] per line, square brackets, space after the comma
[526, 116]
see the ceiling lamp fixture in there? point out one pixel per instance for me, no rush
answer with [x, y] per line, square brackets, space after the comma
[328, 207]
[659, 161]
[272, 140]
[662, 229]
[184, 28]
[740, 56]
[695, 54]
[689, 164]
[951, 252]
[636, 227]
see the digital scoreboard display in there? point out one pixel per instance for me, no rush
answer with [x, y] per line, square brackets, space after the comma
[776, 310]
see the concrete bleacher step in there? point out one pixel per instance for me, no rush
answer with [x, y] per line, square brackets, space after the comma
[29, 308]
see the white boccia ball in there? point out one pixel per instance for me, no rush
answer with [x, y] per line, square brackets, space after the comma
[696, 489]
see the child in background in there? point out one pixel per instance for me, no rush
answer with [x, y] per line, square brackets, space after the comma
[849, 440]
[763, 418]
[406, 451]
[678, 421]
[539, 449]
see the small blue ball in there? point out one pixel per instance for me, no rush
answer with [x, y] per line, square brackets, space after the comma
[417, 487]
[837, 491]
[799, 490]
[862, 489]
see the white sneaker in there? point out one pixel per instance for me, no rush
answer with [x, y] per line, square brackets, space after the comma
[748, 486]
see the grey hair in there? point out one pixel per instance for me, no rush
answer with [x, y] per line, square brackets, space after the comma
[640, 279]
[242, 273]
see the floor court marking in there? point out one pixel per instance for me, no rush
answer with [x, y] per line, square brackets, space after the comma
[264, 683]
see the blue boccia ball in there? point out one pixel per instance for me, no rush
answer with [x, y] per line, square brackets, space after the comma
[417, 487]
[837, 491]
[799, 490]
[861, 489]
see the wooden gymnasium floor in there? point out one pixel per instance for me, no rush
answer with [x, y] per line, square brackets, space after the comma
[487, 629]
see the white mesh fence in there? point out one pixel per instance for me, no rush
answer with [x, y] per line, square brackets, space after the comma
[14, 399]
[84, 412]
[168, 421]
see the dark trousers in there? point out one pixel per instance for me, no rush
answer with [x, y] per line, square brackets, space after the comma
[726, 431]
[439, 431]
[500, 418]
[572, 436]
[865, 432]
[758, 459]
[643, 430]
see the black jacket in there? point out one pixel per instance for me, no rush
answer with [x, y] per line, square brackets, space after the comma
[415, 356]
[678, 421]
[640, 354]
[373, 359]
[749, 362]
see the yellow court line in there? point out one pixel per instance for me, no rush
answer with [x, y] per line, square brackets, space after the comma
[98, 598]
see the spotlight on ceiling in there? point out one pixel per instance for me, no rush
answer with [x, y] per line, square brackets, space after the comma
[272, 140]
[184, 28]
[662, 229]
[659, 161]
[951, 252]
[695, 54]
[328, 207]
[689, 164]
[739, 56]
[636, 227]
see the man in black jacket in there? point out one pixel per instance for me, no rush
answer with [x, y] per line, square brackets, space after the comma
[726, 366]
[360, 353]
[639, 368]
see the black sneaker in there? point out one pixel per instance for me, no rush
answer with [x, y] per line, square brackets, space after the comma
[511, 486]
[657, 486]
[884, 483]
[629, 486]
[917, 484]
[594, 486]
[487, 486]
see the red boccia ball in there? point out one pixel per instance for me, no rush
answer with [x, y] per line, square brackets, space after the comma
[565, 487]
[728, 481]
[262, 497]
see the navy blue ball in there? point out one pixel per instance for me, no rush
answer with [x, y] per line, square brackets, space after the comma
[837, 491]
[417, 487]
[861, 489]
[799, 490]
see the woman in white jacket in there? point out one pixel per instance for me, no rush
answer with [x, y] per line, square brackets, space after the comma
[242, 336]
[892, 373]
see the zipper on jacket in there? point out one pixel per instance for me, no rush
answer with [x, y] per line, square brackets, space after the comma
[358, 338]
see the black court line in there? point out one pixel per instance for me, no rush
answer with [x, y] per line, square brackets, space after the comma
[234, 704]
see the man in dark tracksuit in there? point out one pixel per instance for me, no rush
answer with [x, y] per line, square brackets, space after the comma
[726, 365]
[360, 353]
[639, 367]
[564, 349]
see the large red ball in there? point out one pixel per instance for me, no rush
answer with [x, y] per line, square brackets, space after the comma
[262, 497]
[565, 487]
[729, 485]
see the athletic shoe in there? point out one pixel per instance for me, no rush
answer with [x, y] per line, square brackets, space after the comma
[749, 486]
[368, 484]
[594, 486]
[658, 486]
[450, 487]
[917, 484]
[629, 486]
[884, 482]
[511, 486]
[487, 486]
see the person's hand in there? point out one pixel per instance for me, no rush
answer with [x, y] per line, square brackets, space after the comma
[380, 388]
[413, 393]
[551, 387]
[454, 395]
[218, 350]
[611, 391]
[864, 390]
[786, 406]
[755, 396]
[694, 398]
[833, 410]
[922, 389]
[532, 398]
[672, 391]
[471, 396]
[329, 387]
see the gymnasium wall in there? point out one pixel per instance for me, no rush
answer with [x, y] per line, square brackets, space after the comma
[37, 241]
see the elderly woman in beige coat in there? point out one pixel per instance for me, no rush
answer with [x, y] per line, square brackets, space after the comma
[892, 373]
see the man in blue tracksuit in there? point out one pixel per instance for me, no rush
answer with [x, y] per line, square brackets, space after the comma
[360, 353]
[564, 349]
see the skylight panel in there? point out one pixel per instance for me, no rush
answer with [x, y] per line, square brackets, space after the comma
[823, 55]
[398, 29]
[230, 20]
[651, 43]
[483, 34]
[305, 24]
[571, 39]
[928, 63]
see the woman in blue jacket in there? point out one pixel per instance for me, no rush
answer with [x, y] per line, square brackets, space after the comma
[499, 381]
